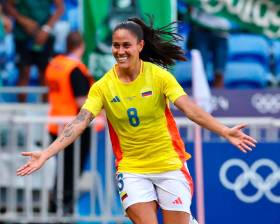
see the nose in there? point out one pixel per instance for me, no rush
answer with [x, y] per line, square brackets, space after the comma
[121, 50]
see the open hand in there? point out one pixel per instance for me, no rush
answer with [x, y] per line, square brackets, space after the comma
[238, 138]
[36, 161]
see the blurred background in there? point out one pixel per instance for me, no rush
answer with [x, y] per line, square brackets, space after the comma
[239, 43]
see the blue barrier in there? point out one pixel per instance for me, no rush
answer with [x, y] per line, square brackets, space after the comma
[84, 200]
[240, 188]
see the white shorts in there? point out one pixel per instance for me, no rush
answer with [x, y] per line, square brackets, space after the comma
[172, 190]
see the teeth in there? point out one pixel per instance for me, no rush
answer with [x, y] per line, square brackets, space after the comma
[121, 59]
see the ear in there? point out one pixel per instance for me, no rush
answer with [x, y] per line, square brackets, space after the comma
[141, 45]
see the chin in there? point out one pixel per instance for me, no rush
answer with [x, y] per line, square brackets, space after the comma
[123, 65]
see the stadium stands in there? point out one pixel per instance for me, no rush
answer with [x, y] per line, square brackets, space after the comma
[8, 70]
[249, 47]
[245, 75]
[183, 73]
[276, 59]
[248, 61]
[253, 62]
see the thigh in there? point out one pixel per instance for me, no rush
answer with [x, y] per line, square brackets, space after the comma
[143, 213]
[174, 191]
[175, 217]
[138, 197]
[135, 188]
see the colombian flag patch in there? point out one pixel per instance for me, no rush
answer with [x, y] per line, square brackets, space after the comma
[123, 195]
[147, 93]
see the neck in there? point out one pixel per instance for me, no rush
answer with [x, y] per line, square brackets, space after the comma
[76, 54]
[129, 74]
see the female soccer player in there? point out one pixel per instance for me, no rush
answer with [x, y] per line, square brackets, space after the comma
[150, 155]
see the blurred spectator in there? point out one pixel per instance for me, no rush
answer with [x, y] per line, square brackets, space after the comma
[5, 22]
[5, 27]
[69, 81]
[209, 34]
[34, 21]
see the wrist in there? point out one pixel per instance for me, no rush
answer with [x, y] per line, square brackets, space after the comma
[225, 132]
[46, 28]
[45, 155]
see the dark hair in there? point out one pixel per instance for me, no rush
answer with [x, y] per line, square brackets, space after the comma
[73, 41]
[160, 44]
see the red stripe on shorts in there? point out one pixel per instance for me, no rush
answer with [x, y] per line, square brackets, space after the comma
[188, 177]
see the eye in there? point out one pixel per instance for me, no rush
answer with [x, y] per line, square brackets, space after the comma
[116, 45]
[126, 45]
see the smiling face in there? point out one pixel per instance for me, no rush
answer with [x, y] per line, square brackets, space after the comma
[126, 48]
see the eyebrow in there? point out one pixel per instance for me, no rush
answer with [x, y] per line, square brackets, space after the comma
[125, 42]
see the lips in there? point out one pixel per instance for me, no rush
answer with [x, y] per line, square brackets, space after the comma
[122, 59]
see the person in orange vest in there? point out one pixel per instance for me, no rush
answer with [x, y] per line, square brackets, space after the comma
[69, 81]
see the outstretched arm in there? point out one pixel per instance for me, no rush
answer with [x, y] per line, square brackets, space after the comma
[69, 134]
[198, 115]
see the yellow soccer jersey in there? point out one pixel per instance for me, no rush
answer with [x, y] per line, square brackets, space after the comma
[143, 132]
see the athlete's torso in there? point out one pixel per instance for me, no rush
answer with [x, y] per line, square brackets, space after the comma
[143, 132]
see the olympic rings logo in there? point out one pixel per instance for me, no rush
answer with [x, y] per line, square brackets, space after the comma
[266, 103]
[250, 175]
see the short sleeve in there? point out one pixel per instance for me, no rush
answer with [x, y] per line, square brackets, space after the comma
[171, 88]
[94, 102]
[79, 82]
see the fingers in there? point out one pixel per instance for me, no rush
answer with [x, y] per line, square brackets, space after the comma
[27, 153]
[22, 171]
[246, 145]
[250, 143]
[246, 142]
[22, 168]
[32, 165]
[26, 170]
[241, 148]
[249, 138]
[240, 126]
[31, 170]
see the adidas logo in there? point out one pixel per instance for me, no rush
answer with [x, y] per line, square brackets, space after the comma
[115, 99]
[178, 201]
